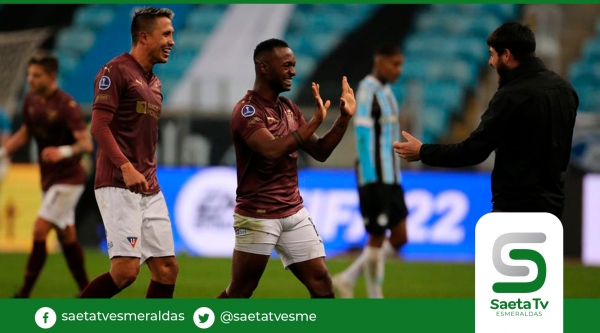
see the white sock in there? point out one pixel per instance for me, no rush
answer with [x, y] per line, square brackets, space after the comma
[352, 273]
[388, 250]
[374, 269]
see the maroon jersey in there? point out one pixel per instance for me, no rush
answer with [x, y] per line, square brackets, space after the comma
[134, 96]
[51, 121]
[266, 189]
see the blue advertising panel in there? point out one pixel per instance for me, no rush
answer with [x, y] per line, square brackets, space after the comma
[443, 210]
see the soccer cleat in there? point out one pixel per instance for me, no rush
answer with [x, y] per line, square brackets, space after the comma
[345, 288]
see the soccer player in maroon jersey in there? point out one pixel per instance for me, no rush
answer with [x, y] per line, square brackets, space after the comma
[267, 131]
[56, 123]
[127, 105]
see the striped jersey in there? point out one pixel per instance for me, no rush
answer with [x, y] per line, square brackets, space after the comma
[377, 126]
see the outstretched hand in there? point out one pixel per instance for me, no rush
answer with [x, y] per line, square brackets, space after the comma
[409, 150]
[320, 108]
[347, 100]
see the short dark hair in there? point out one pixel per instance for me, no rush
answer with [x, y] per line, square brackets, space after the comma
[387, 49]
[514, 36]
[46, 60]
[144, 19]
[267, 46]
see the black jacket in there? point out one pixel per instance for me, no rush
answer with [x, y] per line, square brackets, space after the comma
[529, 123]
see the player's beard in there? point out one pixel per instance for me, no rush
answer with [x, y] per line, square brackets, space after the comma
[41, 89]
[502, 71]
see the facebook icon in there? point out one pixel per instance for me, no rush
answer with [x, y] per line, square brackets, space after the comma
[45, 317]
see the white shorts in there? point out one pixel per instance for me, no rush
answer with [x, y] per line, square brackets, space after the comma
[58, 204]
[295, 238]
[136, 225]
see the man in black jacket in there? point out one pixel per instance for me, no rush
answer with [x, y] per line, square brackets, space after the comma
[529, 123]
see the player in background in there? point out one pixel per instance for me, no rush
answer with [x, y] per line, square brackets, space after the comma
[5, 132]
[126, 109]
[267, 131]
[56, 123]
[381, 196]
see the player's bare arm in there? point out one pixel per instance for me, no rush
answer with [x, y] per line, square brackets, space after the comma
[82, 145]
[15, 142]
[409, 150]
[321, 148]
[263, 142]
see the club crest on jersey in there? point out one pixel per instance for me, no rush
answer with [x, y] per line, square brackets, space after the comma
[132, 241]
[104, 83]
[290, 115]
[247, 110]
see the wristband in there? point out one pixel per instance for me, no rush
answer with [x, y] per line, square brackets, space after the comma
[297, 138]
[66, 151]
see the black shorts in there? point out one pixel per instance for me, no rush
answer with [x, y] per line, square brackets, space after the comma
[382, 206]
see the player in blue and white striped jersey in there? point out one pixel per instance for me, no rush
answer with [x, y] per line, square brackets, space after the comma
[377, 126]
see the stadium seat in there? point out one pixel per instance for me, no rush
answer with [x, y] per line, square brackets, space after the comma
[315, 29]
[484, 25]
[322, 42]
[74, 40]
[298, 43]
[591, 50]
[179, 61]
[67, 63]
[435, 120]
[203, 20]
[445, 95]
[415, 69]
[589, 98]
[429, 45]
[505, 12]
[191, 40]
[305, 64]
[471, 49]
[189, 43]
[445, 53]
[584, 71]
[399, 90]
[93, 17]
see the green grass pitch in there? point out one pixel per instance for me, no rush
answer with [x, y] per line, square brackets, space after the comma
[206, 278]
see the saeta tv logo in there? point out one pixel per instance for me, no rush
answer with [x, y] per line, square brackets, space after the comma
[519, 254]
[518, 273]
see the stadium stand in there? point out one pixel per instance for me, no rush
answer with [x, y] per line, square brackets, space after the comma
[97, 34]
[443, 58]
[585, 74]
[189, 41]
[315, 30]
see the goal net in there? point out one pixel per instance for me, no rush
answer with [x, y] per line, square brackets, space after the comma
[16, 47]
